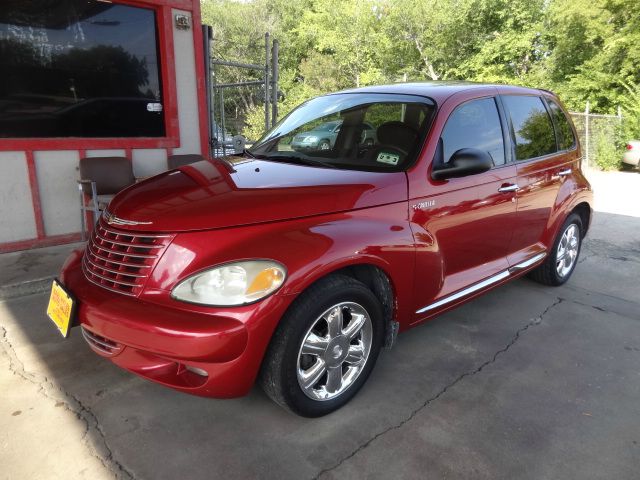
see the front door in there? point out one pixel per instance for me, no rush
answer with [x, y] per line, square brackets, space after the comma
[464, 226]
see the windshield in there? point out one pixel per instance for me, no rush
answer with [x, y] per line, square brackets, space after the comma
[357, 131]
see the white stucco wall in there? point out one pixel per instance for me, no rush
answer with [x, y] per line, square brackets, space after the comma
[17, 221]
[149, 162]
[186, 86]
[106, 153]
[57, 174]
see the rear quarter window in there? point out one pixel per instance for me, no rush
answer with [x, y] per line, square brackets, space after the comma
[532, 127]
[566, 139]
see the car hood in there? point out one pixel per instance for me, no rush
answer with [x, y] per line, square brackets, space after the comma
[215, 194]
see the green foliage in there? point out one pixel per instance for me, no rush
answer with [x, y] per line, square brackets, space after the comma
[254, 123]
[630, 104]
[581, 49]
[608, 154]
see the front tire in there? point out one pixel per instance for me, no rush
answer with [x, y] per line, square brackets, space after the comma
[324, 145]
[324, 348]
[563, 257]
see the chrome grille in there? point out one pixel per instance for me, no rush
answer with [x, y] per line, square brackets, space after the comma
[121, 261]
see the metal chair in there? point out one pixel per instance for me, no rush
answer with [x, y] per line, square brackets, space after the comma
[176, 161]
[100, 179]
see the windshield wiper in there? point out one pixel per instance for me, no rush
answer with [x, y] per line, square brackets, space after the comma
[296, 159]
[247, 153]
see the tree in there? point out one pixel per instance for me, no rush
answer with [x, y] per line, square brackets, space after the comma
[582, 49]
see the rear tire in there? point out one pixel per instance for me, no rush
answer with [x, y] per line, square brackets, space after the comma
[563, 256]
[324, 348]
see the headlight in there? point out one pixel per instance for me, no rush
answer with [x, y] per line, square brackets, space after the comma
[311, 139]
[235, 283]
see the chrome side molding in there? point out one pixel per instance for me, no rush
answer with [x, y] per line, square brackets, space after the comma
[483, 284]
[511, 187]
[527, 263]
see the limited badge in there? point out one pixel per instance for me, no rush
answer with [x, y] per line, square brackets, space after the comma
[388, 158]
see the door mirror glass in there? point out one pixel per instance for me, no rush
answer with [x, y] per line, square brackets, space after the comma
[466, 161]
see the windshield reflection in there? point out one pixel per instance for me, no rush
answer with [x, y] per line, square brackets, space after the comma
[358, 131]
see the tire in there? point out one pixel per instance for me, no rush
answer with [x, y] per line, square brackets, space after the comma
[551, 272]
[324, 145]
[347, 357]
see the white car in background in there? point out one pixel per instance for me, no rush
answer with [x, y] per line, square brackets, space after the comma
[631, 156]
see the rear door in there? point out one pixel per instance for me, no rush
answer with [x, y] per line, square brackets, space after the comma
[541, 169]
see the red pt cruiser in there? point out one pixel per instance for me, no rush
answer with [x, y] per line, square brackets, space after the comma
[294, 266]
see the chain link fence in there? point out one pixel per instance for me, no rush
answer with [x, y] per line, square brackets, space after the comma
[592, 129]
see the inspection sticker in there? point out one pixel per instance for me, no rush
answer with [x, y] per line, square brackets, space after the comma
[390, 158]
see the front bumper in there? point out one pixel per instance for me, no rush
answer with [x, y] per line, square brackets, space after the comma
[204, 351]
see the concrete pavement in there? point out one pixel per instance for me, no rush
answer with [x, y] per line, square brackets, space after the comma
[525, 382]
[31, 271]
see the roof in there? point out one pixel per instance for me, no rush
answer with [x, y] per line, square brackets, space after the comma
[438, 90]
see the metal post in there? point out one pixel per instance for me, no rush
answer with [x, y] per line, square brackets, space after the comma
[274, 83]
[240, 84]
[207, 34]
[266, 81]
[222, 125]
[213, 141]
[586, 133]
[230, 63]
[83, 215]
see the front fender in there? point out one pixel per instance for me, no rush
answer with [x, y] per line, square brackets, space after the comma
[309, 248]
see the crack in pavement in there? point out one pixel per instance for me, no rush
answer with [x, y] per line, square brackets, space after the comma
[426, 403]
[72, 404]
[578, 289]
[587, 253]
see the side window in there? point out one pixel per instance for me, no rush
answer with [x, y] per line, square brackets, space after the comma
[566, 140]
[531, 125]
[475, 124]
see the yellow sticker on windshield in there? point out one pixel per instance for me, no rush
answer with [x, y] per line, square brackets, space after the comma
[389, 158]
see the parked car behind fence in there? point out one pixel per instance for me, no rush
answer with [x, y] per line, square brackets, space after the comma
[631, 155]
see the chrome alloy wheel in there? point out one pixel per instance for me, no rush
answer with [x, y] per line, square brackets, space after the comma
[334, 351]
[567, 250]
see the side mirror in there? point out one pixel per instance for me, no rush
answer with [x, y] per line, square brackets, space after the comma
[466, 161]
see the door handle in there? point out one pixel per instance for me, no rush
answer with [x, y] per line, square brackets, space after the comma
[564, 173]
[508, 187]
